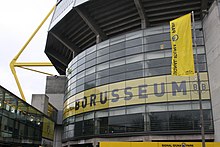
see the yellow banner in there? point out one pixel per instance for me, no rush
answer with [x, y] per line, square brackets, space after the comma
[181, 41]
[158, 144]
[137, 91]
[48, 128]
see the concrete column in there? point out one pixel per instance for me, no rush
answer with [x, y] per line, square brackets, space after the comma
[211, 28]
[55, 88]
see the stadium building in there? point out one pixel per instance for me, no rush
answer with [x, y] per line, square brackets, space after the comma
[116, 55]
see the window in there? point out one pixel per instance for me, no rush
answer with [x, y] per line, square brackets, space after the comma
[117, 124]
[134, 50]
[117, 62]
[134, 74]
[134, 42]
[117, 78]
[180, 120]
[135, 66]
[135, 123]
[158, 121]
[103, 59]
[117, 54]
[135, 58]
[102, 73]
[103, 125]
[117, 47]
[117, 70]
[103, 51]
[90, 70]
[103, 66]
[102, 81]
[90, 77]
[90, 63]
[91, 56]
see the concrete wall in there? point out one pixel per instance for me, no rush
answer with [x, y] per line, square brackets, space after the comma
[55, 87]
[40, 101]
[58, 136]
[211, 27]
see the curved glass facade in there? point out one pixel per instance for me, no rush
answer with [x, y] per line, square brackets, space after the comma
[123, 85]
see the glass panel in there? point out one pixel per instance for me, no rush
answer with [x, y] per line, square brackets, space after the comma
[205, 105]
[89, 115]
[103, 122]
[103, 44]
[117, 70]
[158, 62]
[158, 71]
[117, 47]
[135, 123]
[90, 77]
[90, 84]
[90, 63]
[135, 66]
[88, 127]
[117, 111]
[102, 113]
[134, 74]
[79, 117]
[80, 75]
[179, 106]
[102, 66]
[91, 50]
[117, 54]
[158, 121]
[136, 109]
[134, 42]
[134, 35]
[134, 58]
[155, 55]
[91, 56]
[81, 68]
[102, 73]
[78, 129]
[134, 50]
[79, 62]
[153, 30]
[180, 120]
[117, 124]
[117, 78]
[102, 58]
[80, 88]
[80, 56]
[118, 39]
[103, 51]
[102, 81]
[156, 107]
[117, 62]
[90, 70]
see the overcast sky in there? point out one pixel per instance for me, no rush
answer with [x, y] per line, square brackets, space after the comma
[18, 20]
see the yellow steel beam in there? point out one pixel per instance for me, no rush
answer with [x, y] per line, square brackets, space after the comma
[19, 64]
[13, 62]
[36, 71]
[16, 79]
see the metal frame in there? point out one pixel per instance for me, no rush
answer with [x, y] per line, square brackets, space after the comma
[14, 62]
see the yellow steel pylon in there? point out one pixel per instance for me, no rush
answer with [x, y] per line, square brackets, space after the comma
[14, 64]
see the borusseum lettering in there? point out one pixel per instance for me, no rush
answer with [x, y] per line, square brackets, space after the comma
[117, 94]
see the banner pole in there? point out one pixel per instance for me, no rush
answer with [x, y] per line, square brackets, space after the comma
[199, 83]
